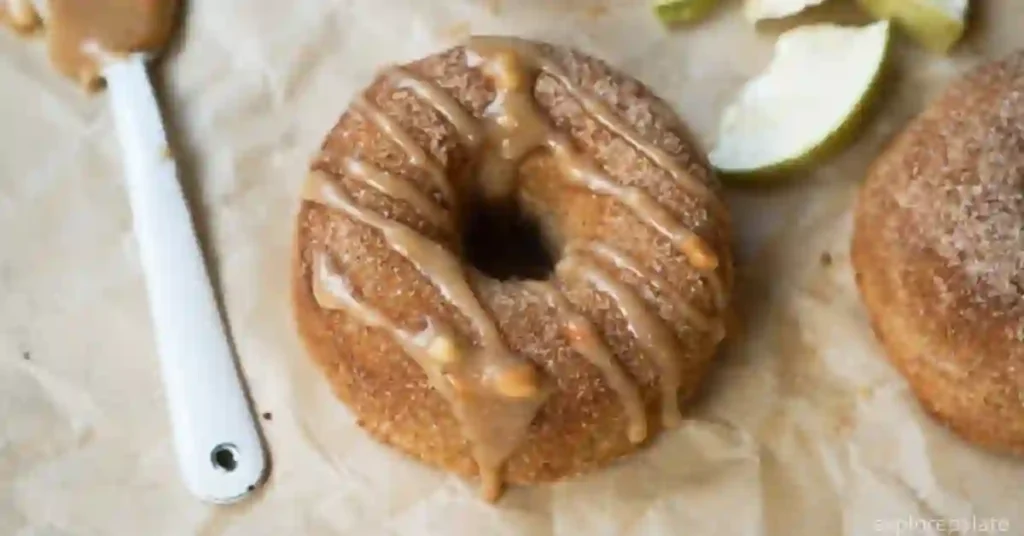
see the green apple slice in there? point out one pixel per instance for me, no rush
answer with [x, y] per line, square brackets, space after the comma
[757, 10]
[936, 24]
[810, 96]
[676, 11]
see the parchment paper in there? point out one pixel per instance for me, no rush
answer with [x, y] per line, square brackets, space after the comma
[804, 430]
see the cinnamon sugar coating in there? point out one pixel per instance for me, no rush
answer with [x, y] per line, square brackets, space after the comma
[938, 250]
[584, 421]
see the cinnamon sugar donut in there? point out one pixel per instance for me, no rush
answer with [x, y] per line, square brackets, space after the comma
[938, 250]
[519, 379]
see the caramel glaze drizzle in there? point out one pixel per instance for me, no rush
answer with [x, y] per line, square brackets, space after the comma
[602, 113]
[396, 188]
[495, 395]
[628, 264]
[652, 334]
[465, 124]
[417, 155]
[518, 128]
[584, 338]
[642, 204]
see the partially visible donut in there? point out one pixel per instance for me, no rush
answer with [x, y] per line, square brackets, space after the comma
[938, 250]
[519, 380]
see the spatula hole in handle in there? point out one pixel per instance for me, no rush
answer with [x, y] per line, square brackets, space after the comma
[225, 457]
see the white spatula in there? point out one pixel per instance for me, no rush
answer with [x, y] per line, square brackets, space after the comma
[219, 450]
[220, 454]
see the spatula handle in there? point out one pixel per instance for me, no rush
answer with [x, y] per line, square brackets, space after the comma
[219, 450]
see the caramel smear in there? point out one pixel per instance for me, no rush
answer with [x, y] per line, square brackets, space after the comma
[82, 34]
[20, 15]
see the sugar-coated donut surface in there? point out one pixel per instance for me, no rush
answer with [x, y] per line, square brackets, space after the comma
[938, 251]
[514, 380]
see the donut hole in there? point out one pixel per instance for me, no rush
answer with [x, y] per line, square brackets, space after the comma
[504, 242]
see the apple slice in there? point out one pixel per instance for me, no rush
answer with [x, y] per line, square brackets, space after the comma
[813, 92]
[936, 24]
[757, 10]
[678, 11]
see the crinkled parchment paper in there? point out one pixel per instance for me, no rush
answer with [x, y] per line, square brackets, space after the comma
[804, 430]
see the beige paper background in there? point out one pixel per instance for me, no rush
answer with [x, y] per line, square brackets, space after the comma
[804, 429]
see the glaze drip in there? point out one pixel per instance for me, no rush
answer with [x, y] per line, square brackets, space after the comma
[514, 129]
[417, 155]
[514, 66]
[643, 206]
[488, 419]
[498, 393]
[587, 342]
[601, 112]
[465, 124]
[623, 262]
[399, 189]
[651, 333]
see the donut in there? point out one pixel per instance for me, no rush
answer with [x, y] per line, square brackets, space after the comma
[938, 253]
[525, 376]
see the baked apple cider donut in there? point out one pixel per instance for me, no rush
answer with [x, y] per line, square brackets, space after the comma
[518, 368]
[938, 250]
